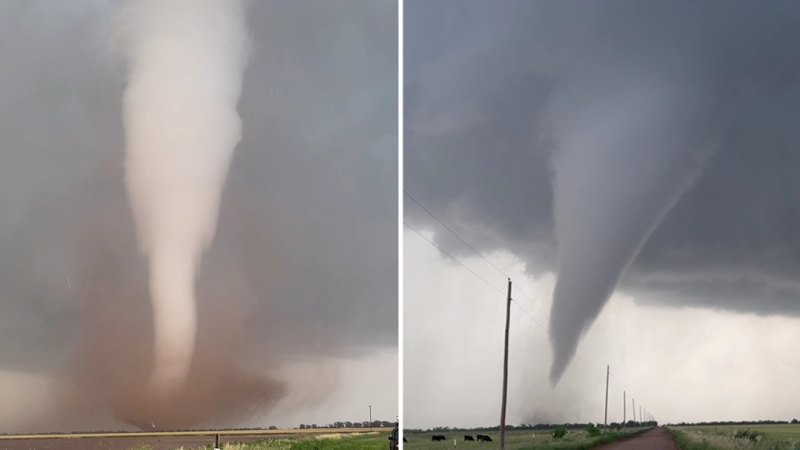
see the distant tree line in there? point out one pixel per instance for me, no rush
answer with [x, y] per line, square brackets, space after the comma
[538, 426]
[348, 424]
[159, 430]
[742, 422]
[613, 425]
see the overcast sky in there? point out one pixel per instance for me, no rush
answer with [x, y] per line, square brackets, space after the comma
[647, 146]
[304, 264]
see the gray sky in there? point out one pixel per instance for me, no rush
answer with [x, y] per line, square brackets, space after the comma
[304, 263]
[653, 136]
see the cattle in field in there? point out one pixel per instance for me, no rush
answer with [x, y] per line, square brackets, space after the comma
[404, 439]
[438, 437]
[484, 438]
[468, 438]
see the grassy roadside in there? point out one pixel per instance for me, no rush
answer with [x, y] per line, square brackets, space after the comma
[725, 437]
[605, 438]
[685, 443]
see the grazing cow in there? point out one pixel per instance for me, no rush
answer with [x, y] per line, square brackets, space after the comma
[468, 438]
[404, 439]
[438, 437]
[484, 438]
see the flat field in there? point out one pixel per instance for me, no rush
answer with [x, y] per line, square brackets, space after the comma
[315, 439]
[515, 439]
[362, 441]
[723, 437]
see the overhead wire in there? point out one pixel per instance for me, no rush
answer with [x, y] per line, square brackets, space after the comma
[481, 255]
[456, 260]
[583, 354]
[587, 356]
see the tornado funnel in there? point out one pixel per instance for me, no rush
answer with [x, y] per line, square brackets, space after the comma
[624, 155]
[185, 61]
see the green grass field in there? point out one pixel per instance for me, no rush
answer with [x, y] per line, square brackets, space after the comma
[378, 440]
[723, 437]
[364, 441]
[515, 439]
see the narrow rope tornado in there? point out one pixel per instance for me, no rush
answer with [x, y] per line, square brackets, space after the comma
[185, 62]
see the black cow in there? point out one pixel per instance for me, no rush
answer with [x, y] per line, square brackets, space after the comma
[438, 437]
[404, 439]
[468, 438]
[484, 438]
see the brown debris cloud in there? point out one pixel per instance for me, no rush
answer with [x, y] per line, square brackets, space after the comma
[302, 268]
[115, 356]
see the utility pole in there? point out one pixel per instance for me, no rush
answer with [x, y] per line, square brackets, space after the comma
[624, 407]
[633, 400]
[605, 418]
[505, 372]
[370, 417]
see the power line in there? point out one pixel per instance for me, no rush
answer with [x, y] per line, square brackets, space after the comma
[578, 351]
[534, 304]
[516, 304]
[453, 258]
[481, 255]
[456, 234]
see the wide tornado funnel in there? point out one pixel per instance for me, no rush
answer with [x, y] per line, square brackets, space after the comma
[185, 62]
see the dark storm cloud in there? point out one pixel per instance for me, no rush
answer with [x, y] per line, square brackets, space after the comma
[487, 82]
[305, 251]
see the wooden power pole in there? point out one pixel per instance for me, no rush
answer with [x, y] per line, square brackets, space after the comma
[605, 418]
[624, 407]
[505, 372]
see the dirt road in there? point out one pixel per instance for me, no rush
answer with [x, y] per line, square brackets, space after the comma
[657, 439]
